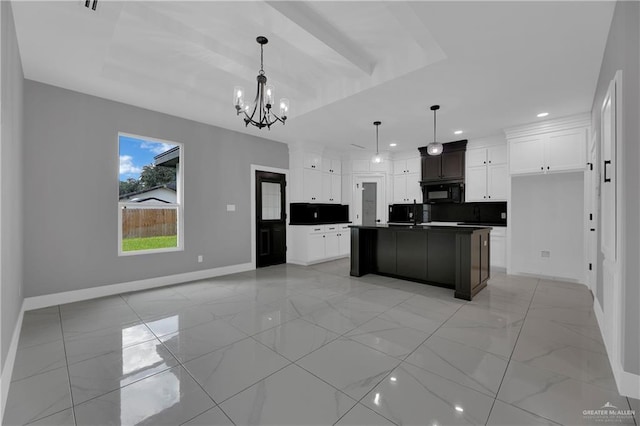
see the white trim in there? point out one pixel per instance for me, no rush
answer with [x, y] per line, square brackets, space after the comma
[54, 299]
[7, 371]
[179, 205]
[324, 259]
[548, 277]
[628, 383]
[285, 172]
[380, 179]
[564, 123]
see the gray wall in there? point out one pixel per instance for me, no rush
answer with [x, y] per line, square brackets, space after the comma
[623, 53]
[11, 147]
[71, 191]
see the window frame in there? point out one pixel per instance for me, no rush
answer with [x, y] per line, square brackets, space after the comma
[178, 206]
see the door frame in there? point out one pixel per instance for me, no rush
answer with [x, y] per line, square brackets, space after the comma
[381, 196]
[258, 168]
[592, 207]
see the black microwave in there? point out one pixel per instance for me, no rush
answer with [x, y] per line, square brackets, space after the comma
[444, 193]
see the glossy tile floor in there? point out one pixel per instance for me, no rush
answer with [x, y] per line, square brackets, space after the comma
[291, 345]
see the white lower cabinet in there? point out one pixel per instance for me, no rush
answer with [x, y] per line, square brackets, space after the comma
[499, 247]
[318, 243]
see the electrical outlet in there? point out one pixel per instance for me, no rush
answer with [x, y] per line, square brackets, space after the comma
[231, 207]
[545, 253]
[200, 258]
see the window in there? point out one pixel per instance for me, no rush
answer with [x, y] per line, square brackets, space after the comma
[150, 195]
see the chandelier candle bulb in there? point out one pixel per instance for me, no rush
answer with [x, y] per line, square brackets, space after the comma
[269, 96]
[238, 97]
[284, 107]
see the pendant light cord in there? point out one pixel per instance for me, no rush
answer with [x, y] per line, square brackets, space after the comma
[434, 126]
[377, 150]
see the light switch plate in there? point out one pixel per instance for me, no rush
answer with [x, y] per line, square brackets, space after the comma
[231, 207]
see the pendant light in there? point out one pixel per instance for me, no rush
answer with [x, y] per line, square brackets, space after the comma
[434, 148]
[377, 159]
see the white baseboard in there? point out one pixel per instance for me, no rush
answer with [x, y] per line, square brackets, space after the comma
[45, 301]
[7, 371]
[315, 262]
[548, 277]
[628, 383]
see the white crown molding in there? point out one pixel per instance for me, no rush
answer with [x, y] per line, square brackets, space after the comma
[564, 123]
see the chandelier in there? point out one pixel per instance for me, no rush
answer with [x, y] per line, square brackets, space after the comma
[377, 159]
[434, 148]
[260, 112]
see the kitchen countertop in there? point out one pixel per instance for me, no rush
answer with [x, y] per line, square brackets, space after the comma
[425, 227]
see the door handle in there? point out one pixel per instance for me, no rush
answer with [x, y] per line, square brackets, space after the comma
[606, 163]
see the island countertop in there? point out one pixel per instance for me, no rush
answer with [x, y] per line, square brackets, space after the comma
[455, 228]
[452, 256]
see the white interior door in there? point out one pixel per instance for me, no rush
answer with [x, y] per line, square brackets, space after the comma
[608, 172]
[609, 216]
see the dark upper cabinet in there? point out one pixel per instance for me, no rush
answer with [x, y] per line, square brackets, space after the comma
[431, 168]
[448, 166]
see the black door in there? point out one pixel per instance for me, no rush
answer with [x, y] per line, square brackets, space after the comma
[271, 241]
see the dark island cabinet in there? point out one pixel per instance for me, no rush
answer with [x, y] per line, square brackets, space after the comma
[452, 257]
[448, 166]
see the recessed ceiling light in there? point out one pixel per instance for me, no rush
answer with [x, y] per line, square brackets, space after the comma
[393, 144]
[543, 114]
[457, 132]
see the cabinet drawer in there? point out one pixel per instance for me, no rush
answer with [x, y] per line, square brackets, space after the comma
[317, 229]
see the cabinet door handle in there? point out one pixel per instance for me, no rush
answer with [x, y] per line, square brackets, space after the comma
[541, 168]
[484, 162]
[606, 163]
[547, 167]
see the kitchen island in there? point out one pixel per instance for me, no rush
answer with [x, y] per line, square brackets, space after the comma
[455, 257]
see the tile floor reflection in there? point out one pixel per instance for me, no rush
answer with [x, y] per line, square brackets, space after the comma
[292, 345]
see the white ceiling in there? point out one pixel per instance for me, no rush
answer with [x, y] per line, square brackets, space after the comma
[342, 64]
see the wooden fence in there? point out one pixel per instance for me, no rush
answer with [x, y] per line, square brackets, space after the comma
[140, 223]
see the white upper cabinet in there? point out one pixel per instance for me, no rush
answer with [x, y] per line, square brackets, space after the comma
[566, 150]
[552, 152]
[312, 160]
[486, 174]
[406, 188]
[312, 185]
[314, 178]
[331, 165]
[410, 165]
[331, 188]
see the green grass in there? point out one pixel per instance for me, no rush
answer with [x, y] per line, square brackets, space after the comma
[149, 243]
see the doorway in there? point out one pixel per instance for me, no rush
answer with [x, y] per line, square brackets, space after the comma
[369, 200]
[271, 238]
[369, 190]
